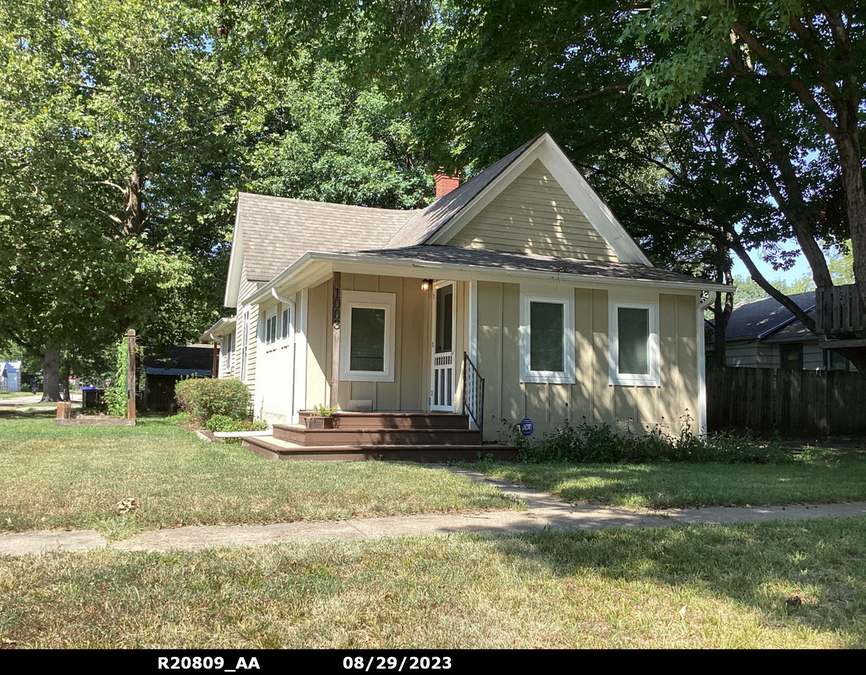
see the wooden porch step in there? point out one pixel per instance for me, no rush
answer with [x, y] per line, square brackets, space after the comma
[397, 420]
[300, 435]
[274, 448]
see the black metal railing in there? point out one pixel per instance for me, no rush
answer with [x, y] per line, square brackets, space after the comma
[473, 394]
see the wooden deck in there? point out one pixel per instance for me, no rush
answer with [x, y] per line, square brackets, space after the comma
[420, 437]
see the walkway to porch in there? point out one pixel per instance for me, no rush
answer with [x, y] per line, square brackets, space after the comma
[412, 436]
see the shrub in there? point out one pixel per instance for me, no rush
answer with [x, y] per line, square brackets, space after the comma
[202, 398]
[600, 443]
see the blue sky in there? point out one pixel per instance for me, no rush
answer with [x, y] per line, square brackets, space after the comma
[800, 268]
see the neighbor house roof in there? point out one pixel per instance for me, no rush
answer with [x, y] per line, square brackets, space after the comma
[767, 319]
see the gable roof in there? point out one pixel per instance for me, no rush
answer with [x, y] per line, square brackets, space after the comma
[760, 319]
[426, 222]
[273, 232]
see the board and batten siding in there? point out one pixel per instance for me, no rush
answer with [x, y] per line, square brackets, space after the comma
[534, 215]
[410, 389]
[591, 398]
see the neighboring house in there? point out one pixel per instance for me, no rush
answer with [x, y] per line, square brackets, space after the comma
[763, 334]
[10, 376]
[165, 368]
[523, 268]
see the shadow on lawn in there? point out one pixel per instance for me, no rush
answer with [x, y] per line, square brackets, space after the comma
[763, 566]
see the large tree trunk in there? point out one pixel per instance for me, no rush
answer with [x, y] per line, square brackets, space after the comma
[51, 374]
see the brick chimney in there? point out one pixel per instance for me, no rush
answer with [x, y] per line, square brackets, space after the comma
[445, 184]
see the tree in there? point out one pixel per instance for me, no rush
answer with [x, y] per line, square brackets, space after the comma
[116, 151]
[732, 101]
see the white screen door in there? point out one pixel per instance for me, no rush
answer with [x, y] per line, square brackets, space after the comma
[442, 376]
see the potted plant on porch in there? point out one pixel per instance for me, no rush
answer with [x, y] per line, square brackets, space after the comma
[322, 417]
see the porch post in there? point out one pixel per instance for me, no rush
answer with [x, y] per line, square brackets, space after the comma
[214, 369]
[335, 343]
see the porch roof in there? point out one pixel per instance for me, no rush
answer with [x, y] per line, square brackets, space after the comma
[221, 327]
[472, 263]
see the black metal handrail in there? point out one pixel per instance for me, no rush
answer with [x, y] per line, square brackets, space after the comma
[473, 394]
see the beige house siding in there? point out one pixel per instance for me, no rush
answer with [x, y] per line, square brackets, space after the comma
[591, 398]
[412, 344]
[534, 215]
[246, 287]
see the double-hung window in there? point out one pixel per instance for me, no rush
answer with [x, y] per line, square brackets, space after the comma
[367, 340]
[634, 344]
[270, 327]
[547, 338]
[285, 322]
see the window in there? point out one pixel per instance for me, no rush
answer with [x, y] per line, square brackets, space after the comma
[270, 328]
[367, 340]
[285, 323]
[244, 330]
[634, 351]
[547, 339]
[228, 345]
[835, 361]
[792, 356]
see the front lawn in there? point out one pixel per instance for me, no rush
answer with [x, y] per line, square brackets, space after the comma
[73, 477]
[702, 586]
[836, 478]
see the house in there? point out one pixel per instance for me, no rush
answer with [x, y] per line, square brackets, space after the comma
[165, 368]
[10, 376]
[763, 334]
[521, 276]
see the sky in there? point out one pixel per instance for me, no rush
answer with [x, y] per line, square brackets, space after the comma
[800, 268]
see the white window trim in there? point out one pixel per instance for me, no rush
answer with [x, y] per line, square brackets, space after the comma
[565, 376]
[386, 301]
[652, 379]
[244, 329]
[269, 315]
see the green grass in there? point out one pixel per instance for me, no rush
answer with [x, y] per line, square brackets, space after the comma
[73, 477]
[705, 586]
[839, 477]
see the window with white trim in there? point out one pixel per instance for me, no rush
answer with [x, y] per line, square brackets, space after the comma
[286, 322]
[270, 327]
[367, 340]
[634, 344]
[547, 339]
[244, 329]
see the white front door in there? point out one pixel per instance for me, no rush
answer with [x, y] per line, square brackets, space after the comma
[442, 376]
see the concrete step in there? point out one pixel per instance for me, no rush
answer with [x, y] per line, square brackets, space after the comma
[274, 448]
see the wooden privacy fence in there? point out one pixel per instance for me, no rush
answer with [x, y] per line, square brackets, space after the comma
[794, 402]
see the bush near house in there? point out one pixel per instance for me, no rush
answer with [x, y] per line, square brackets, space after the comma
[601, 443]
[202, 398]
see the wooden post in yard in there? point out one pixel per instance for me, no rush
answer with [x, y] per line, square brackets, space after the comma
[130, 375]
[335, 343]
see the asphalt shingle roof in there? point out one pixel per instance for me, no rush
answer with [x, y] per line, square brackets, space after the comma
[277, 231]
[476, 257]
[749, 320]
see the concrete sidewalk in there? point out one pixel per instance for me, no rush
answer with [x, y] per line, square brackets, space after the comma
[542, 512]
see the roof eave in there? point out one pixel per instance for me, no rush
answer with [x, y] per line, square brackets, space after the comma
[459, 272]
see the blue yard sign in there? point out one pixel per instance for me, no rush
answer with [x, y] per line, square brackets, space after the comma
[526, 427]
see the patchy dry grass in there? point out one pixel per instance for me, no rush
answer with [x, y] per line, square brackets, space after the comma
[73, 477]
[704, 586]
[836, 477]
